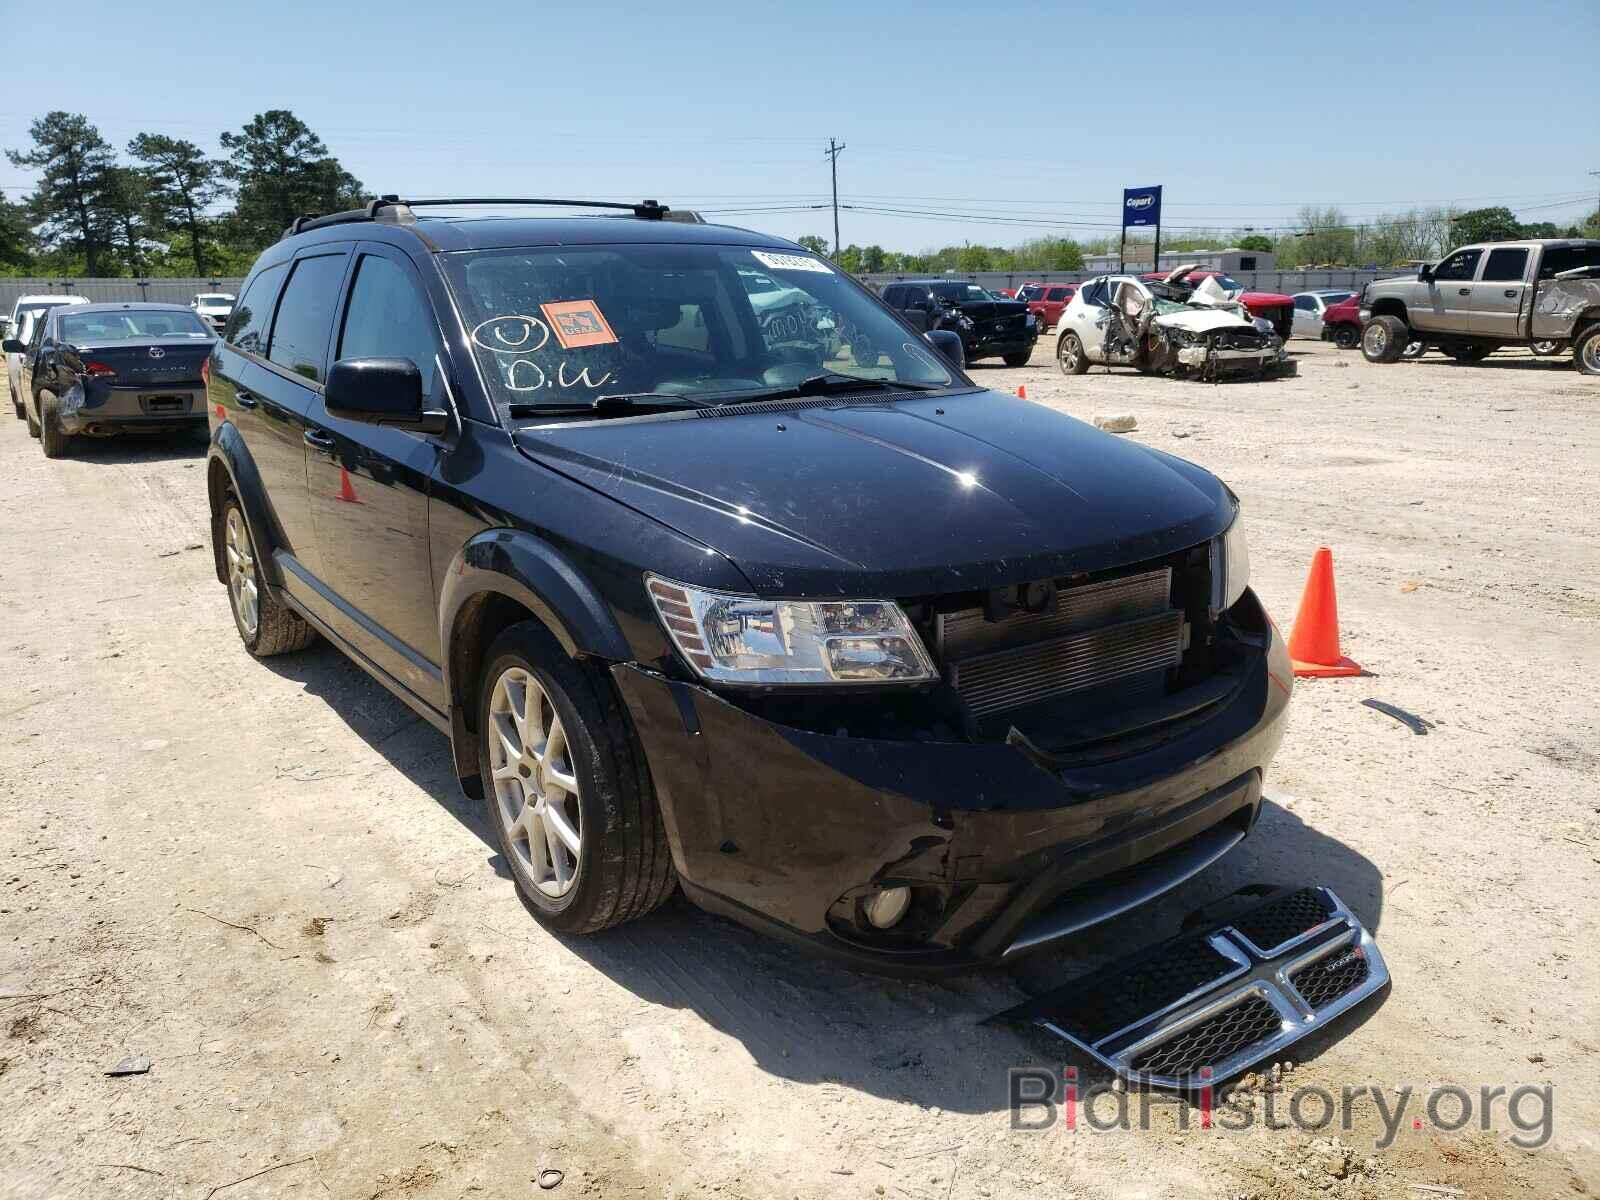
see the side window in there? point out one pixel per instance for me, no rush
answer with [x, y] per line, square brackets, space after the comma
[1056, 294]
[388, 318]
[892, 295]
[1095, 293]
[1305, 304]
[1461, 265]
[1247, 262]
[1505, 266]
[305, 315]
[247, 327]
[1557, 259]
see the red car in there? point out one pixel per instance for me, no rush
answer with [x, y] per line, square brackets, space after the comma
[1275, 308]
[1341, 323]
[1047, 300]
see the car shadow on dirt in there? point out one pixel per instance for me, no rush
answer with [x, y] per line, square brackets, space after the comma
[810, 1020]
[136, 448]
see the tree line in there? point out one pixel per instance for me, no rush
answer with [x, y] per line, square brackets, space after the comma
[1323, 237]
[160, 210]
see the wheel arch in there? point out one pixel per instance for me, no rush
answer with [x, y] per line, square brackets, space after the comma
[1390, 307]
[230, 468]
[499, 578]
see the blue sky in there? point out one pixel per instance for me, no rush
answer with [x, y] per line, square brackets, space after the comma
[1040, 113]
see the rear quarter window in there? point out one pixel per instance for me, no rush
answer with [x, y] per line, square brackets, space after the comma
[247, 327]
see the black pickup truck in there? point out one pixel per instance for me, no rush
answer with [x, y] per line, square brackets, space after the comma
[990, 327]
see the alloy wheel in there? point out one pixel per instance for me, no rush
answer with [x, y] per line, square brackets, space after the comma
[242, 585]
[535, 785]
[1376, 338]
[1068, 352]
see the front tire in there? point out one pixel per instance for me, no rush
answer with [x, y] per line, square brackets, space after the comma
[266, 625]
[1384, 339]
[1347, 337]
[1070, 356]
[1586, 351]
[33, 422]
[53, 440]
[566, 787]
[1017, 360]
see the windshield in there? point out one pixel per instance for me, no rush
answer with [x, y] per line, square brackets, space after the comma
[118, 326]
[1030, 291]
[38, 307]
[563, 326]
[960, 293]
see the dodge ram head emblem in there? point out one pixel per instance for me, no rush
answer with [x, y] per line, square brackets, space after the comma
[157, 352]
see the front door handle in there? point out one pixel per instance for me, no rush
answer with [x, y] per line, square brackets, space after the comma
[1511, 293]
[245, 399]
[1463, 291]
[320, 442]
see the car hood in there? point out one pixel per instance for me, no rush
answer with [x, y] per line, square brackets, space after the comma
[1203, 320]
[909, 498]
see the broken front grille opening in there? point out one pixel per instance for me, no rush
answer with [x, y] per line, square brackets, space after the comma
[1055, 661]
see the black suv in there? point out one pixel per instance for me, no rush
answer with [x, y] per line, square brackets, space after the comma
[791, 615]
[988, 325]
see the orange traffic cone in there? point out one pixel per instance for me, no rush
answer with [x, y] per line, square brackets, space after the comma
[1022, 391]
[1314, 642]
[347, 492]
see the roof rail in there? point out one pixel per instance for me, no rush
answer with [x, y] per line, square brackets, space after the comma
[392, 209]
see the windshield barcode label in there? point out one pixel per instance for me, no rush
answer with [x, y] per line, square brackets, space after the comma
[791, 262]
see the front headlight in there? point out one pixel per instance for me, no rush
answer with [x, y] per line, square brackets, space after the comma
[743, 639]
[1230, 565]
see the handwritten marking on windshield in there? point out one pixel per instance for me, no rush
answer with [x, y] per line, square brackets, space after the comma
[512, 334]
[582, 378]
[511, 376]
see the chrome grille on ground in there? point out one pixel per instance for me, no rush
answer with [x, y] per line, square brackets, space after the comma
[1099, 633]
[1206, 1005]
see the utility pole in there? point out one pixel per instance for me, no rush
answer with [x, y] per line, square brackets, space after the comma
[832, 155]
[1596, 174]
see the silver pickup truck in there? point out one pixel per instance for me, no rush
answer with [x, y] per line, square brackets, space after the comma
[1543, 292]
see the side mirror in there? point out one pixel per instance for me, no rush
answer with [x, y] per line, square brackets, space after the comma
[948, 343]
[917, 318]
[381, 391]
[14, 346]
[1425, 273]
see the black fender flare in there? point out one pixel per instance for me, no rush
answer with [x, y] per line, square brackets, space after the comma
[528, 570]
[1391, 308]
[230, 467]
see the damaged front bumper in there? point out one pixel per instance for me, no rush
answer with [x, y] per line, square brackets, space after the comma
[1002, 848]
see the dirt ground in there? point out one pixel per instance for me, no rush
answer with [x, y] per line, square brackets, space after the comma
[264, 879]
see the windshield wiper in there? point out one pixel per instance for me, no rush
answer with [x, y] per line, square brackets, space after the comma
[828, 384]
[616, 402]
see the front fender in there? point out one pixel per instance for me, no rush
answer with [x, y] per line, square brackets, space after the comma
[229, 467]
[524, 569]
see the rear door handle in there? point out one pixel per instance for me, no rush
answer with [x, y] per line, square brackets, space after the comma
[245, 399]
[1463, 291]
[320, 442]
[1511, 293]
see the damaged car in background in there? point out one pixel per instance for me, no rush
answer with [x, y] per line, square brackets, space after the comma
[1167, 328]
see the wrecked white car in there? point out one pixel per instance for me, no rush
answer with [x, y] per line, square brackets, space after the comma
[1167, 328]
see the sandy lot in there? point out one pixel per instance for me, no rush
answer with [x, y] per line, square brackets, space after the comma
[264, 879]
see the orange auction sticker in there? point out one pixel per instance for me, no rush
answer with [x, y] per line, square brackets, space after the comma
[578, 323]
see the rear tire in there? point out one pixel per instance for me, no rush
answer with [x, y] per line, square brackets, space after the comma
[16, 404]
[1017, 360]
[27, 415]
[1470, 353]
[53, 440]
[1548, 349]
[1586, 351]
[622, 868]
[1070, 356]
[1347, 337]
[1414, 351]
[1384, 339]
[266, 625]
